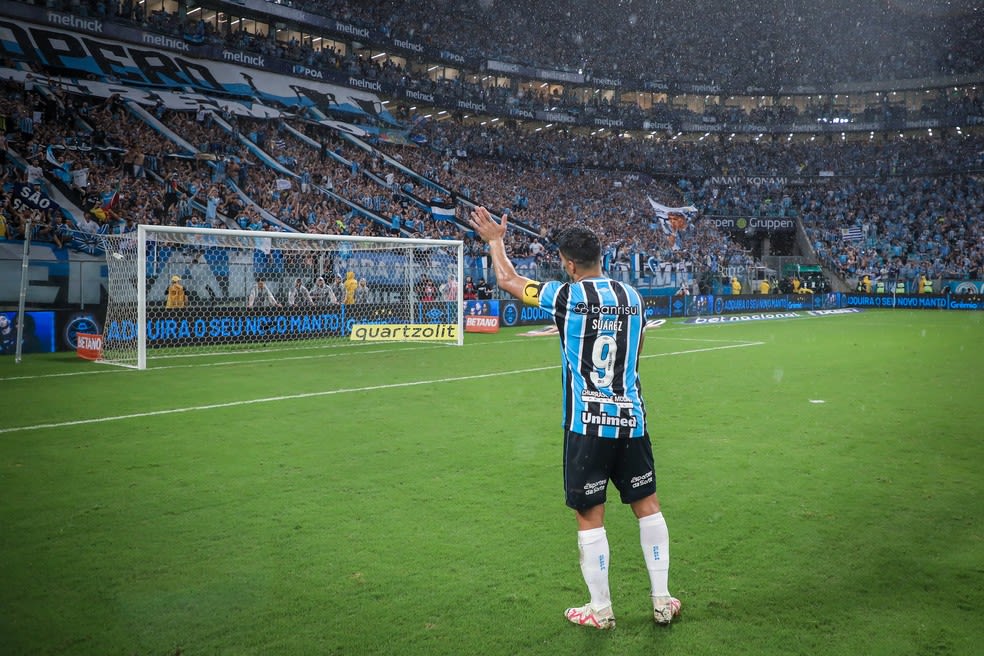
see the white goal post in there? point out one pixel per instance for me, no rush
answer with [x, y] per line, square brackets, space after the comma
[175, 292]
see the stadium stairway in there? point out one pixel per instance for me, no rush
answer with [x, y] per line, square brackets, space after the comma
[427, 182]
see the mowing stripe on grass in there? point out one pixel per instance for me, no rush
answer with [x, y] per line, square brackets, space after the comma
[307, 395]
[109, 369]
[104, 370]
[117, 370]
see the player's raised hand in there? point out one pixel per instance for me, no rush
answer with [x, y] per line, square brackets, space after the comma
[487, 227]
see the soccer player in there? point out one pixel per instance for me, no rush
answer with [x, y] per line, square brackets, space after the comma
[601, 324]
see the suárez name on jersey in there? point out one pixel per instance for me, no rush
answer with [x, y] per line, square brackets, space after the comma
[584, 308]
[612, 325]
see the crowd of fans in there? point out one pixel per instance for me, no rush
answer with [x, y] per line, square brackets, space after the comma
[917, 202]
[769, 42]
[857, 43]
[910, 227]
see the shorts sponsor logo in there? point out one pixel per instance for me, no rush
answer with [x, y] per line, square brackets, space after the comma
[639, 481]
[594, 487]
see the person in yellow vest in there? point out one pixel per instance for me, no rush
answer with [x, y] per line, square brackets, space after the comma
[735, 286]
[351, 284]
[925, 285]
[866, 284]
[764, 286]
[176, 297]
[796, 285]
[880, 287]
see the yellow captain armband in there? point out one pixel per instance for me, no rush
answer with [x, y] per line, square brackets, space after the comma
[531, 292]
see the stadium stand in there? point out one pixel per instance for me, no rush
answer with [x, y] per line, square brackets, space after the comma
[896, 204]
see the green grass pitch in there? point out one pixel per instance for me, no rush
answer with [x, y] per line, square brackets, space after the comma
[821, 477]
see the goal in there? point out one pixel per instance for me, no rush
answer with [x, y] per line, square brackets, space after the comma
[177, 292]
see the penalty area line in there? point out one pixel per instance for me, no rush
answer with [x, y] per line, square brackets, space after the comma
[348, 390]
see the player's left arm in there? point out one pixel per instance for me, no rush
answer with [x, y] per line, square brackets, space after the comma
[523, 288]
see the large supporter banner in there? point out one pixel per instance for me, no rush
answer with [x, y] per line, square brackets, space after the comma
[56, 277]
[26, 197]
[59, 277]
[101, 58]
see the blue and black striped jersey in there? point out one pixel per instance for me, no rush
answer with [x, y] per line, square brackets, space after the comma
[601, 324]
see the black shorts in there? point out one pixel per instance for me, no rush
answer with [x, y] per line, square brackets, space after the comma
[590, 462]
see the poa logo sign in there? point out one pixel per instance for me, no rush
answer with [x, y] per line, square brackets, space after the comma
[966, 288]
[510, 315]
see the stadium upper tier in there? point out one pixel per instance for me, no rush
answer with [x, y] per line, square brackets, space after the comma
[732, 74]
[762, 45]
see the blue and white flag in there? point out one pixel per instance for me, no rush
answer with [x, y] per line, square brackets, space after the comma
[62, 169]
[442, 213]
[87, 242]
[49, 154]
[664, 211]
[854, 233]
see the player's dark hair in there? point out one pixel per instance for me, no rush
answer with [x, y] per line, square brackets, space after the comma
[580, 245]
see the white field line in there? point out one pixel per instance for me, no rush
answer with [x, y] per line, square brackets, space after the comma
[350, 390]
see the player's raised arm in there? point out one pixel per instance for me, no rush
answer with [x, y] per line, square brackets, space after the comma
[506, 277]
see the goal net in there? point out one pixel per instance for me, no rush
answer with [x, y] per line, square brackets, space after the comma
[186, 291]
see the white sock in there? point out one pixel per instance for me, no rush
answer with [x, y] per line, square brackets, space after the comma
[655, 540]
[593, 547]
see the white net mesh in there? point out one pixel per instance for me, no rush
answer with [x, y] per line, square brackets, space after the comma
[206, 291]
